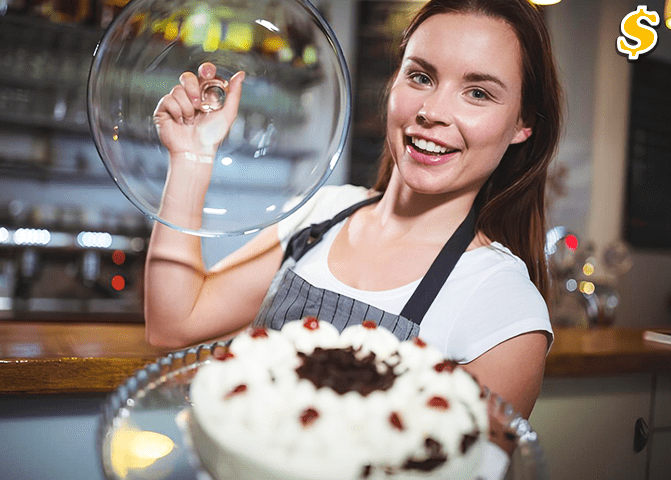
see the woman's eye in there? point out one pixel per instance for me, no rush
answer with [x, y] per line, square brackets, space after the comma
[479, 94]
[420, 78]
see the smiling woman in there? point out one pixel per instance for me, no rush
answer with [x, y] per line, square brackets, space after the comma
[516, 191]
[453, 112]
[447, 246]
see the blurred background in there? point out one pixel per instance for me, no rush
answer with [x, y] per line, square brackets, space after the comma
[72, 246]
[610, 187]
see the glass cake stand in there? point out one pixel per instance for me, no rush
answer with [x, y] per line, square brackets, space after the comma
[141, 432]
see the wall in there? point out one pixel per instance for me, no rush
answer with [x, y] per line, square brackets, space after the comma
[594, 146]
[576, 62]
[646, 289]
[586, 425]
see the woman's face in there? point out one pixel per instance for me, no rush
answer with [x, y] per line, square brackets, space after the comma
[455, 105]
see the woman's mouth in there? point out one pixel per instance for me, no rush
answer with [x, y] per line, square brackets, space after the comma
[428, 151]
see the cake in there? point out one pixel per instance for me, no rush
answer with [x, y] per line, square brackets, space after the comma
[308, 402]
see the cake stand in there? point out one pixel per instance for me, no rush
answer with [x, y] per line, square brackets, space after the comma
[141, 432]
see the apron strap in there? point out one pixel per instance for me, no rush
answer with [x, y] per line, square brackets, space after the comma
[307, 238]
[440, 269]
[435, 277]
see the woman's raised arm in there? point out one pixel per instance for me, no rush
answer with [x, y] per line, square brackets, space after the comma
[184, 303]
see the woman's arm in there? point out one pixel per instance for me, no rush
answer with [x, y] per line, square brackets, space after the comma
[184, 303]
[514, 370]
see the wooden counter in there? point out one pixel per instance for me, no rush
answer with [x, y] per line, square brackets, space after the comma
[604, 352]
[70, 357]
[40, 358]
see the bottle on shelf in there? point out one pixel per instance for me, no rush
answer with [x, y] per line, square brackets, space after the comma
[64, 11]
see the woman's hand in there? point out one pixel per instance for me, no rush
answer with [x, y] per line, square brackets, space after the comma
[184, 127]
[192, 135]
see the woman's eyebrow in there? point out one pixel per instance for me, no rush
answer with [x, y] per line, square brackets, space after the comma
[484, 77]
[428, 67]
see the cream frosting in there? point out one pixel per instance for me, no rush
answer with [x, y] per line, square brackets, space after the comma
[255, 417]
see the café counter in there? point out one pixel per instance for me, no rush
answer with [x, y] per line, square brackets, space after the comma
[45, 358]
[599, 384]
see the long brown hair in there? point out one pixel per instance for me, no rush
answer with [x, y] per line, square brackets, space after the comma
[511, 204]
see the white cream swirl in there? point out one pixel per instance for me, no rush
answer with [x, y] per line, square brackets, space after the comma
[308, 334]
[368, 337]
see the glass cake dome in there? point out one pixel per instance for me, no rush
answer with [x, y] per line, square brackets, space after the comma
[292, 120]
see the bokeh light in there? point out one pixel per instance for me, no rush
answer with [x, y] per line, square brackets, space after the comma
[587, 288]
[118, 257]
[571, 242]
[133, 449]
[118, 283]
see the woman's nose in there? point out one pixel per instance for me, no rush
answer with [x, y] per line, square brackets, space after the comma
[436, 110]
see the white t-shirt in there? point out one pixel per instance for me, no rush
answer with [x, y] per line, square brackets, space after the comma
[487, 299]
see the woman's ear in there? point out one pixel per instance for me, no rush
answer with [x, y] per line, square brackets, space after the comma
[522, 134]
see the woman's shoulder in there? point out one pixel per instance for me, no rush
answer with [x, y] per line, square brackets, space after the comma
[492, 258]
[495, 274]
[497, 301]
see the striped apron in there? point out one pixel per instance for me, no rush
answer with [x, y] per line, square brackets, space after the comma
[290, 297]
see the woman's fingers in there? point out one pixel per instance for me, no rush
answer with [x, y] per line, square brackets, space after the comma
[207, 71]
[191, 85]
[178, 105]
[218, 122]
[185, 103]
[168, 105]
[184, 106]
[233, 97]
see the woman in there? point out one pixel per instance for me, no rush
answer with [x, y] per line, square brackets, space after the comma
[473, 120]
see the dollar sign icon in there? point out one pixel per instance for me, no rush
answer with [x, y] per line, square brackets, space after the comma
[643, 36]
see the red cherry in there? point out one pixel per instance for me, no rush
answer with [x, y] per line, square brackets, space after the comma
[419, 342]
[395, 420]
[445, 366]
[369, 324]
[242, 388]
[309, 416]
[311, 323]
[259, 332]
[222, 354]
[438, 402]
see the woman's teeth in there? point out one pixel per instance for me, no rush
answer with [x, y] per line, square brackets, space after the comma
[428, 146]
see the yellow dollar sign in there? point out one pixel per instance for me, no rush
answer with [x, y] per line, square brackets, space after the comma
[632, 28]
